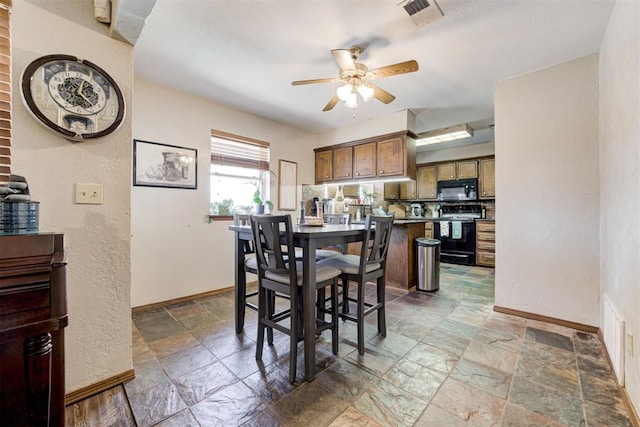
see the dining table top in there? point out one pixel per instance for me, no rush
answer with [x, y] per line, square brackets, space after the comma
[311, 230]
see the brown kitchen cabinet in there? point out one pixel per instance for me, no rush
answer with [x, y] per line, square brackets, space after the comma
[392, 157]
[324, 166]
[458, 170]
[408, 190]
[342, 163]
[33, 315]
[391, 190]
[468, 169]
[446, 171]
[487, 181]
[385, 156]
[428, 229]
[365, 160]
[427, 185]
[486, 243]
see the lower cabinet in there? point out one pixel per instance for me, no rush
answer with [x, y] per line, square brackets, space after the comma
[428, 229]
[486, 243]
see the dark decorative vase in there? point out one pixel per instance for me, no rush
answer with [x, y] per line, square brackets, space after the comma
[260, 209]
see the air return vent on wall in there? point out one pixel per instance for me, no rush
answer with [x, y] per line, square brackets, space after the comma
[613, 336]
[422, 11]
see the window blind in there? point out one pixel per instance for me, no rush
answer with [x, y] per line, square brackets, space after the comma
[5, 90]
[233, 150]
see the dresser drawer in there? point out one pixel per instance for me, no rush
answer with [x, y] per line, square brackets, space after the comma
[25, 298]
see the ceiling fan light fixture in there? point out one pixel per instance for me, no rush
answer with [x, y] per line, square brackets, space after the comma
[352, 100]
[345, 92]
[366, 92]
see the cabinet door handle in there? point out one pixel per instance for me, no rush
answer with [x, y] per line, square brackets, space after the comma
[357, 173]
[484, 193]
[381, 171]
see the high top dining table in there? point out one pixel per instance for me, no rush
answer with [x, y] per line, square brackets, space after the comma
[309, 238]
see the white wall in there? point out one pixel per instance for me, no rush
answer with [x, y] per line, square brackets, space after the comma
[465, 151]
[547, 198]
[175, 251]
[394, 122]
[98, 338]
[620, 174]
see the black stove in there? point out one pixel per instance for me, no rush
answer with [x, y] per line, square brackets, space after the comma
[456, 230]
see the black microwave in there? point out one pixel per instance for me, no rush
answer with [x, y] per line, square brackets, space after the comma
[458, 190]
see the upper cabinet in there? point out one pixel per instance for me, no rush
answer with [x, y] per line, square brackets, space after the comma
[365, 160]
[392, 157]
[458, 170]
[427, 183]
[468, 169]
[387, 156]
[446, 171]
[487, 181]
[342, 163]
[324, 167]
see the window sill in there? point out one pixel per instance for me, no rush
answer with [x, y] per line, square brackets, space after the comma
[213, 218]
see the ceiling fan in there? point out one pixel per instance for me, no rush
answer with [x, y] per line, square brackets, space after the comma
[356, 78]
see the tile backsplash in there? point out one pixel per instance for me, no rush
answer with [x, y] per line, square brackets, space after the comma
[354, 195]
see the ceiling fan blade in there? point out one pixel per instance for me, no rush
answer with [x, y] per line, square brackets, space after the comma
[381, 94]
[344, 59]
[392, 70]
[312, 81]
[332, 103]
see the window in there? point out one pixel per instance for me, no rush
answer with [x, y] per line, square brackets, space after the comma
[239, 167]
[5, 90]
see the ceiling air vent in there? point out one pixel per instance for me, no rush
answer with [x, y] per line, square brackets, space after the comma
[422, 11]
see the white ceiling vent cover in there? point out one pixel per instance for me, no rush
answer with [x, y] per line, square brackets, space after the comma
[422, 12]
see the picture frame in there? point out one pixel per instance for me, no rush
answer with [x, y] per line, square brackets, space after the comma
[287, 185]
[163, 165]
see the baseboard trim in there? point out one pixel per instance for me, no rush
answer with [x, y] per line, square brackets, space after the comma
[183, 299]
[633, 415]
[542, 318]
[99, 387]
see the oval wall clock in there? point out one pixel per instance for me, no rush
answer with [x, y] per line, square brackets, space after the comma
[73, 97]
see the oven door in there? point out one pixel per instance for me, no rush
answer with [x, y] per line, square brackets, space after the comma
[457, 251]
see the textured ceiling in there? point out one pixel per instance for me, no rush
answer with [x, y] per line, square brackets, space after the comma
[245, 53]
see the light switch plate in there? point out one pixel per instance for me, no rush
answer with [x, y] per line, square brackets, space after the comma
[89, 194]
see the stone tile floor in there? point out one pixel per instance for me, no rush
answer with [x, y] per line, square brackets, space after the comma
[447, 360]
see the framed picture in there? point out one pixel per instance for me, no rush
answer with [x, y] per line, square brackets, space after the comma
[163, 165]
[287, 182]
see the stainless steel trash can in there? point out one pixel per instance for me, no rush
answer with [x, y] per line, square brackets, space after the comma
[428, 251]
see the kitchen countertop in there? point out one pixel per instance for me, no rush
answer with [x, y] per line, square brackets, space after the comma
[401, 221]
[410, 220]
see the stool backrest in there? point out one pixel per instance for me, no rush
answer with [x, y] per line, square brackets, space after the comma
[273, 243]
[376, 243]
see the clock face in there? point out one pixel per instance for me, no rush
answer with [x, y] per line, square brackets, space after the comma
[72, 97]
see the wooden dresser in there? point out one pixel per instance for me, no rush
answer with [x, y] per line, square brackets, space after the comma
[33, 315]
